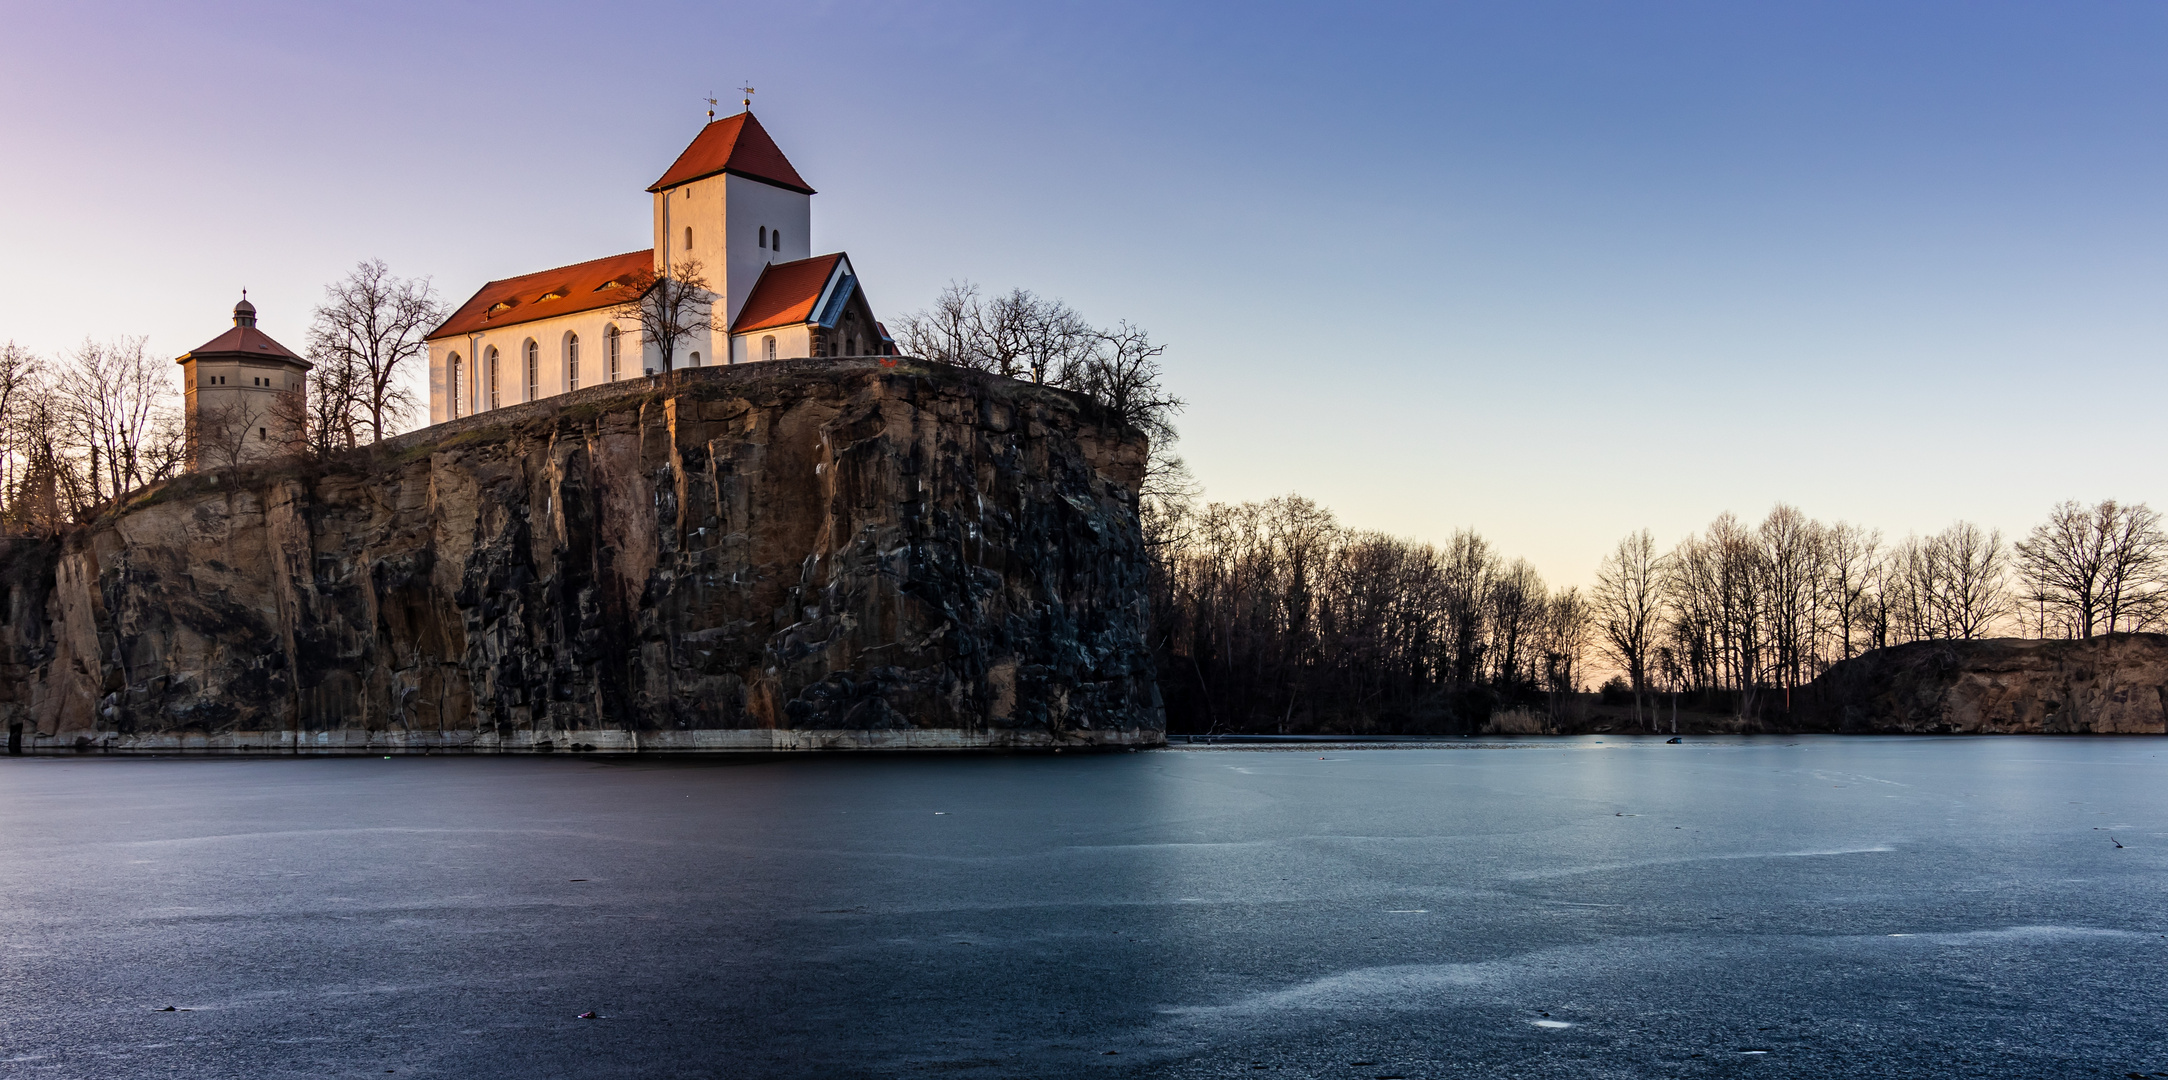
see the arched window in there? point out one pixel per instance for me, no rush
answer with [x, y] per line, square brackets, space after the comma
[489, 371]
[609, 349]
[451, 383]
[688, 238]
[572, 362]
[534, 365]
[696, 358]
[763, 236]
[767, 346]
[776, 239]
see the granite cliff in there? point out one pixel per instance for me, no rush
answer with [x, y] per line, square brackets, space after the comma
[2116, 684]
[793, 555]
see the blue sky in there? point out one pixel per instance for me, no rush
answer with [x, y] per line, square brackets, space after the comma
[1553, 271]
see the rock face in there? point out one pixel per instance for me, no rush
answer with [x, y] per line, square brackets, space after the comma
[793, 555]
[2116, 684]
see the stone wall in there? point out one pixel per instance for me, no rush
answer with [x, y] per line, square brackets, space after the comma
[777, 556]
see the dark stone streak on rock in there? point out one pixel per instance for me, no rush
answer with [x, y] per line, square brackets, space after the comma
[791, 555]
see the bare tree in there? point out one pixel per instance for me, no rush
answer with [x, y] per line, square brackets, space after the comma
[117, 406]
[946, 332]
[1629, 609]
[375, 325]
[2094, 567]
[221, 435]
[670, 307]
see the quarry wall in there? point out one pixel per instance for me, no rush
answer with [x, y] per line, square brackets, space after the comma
[779, 556]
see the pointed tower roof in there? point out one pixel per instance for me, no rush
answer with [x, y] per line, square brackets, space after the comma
[734, 144]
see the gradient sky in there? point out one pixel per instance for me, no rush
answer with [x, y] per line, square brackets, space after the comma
[1553, 271]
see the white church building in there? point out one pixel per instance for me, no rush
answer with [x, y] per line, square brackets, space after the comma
[731, 202]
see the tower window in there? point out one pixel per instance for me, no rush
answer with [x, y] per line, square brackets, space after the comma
[688, 238]
[776, 239]
[763, 236]
[609, 349]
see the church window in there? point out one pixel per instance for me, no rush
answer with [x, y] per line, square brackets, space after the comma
[489, 369]
[688, 238]
[609, 350]
[763, 236]
[572, 362]
[767, 345]
[775, 239]
[452, 383]
[696, 358]
[534, 365]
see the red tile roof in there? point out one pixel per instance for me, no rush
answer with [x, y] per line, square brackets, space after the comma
[548, 294]
[244, 342]
[786, 293]
[734, 144]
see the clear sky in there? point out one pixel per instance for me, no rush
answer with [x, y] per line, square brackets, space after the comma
[1552, 270]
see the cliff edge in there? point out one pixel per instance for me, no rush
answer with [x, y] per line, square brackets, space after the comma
[778, 556]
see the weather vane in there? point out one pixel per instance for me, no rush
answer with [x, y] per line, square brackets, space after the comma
[711, 110]
[748, 92]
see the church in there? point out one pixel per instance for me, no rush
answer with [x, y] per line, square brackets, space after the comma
[731, 203]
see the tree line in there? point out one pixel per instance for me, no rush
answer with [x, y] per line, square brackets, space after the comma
[1749, 613]
[1273, 616]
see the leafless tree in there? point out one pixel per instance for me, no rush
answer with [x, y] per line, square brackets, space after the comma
[118, 407]
[374, 325]
[223, 434]
[2095, 568]
[946, 332]
[1629, 609]
[671, 307]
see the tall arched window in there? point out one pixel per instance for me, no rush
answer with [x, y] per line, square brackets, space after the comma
[489, 371]
[534, 366]
[688, 239]
[775, 239]
[763, 236]
[609, 349]
[767, 347]
[452, 374]
[572, 362]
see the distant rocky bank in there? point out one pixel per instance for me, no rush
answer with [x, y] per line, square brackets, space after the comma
[2116, 684]
[778, 556]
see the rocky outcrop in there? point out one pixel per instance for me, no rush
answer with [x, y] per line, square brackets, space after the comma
[792, 555]
[2116, 684]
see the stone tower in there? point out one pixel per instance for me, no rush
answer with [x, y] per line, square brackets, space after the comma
[244, 391]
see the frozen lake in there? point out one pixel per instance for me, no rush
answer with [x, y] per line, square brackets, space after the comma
[1599, 907]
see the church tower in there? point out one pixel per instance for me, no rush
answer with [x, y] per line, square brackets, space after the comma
[244, 395]
[733, 203]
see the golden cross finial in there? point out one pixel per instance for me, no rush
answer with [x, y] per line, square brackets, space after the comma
[748, 92]
[711, 110]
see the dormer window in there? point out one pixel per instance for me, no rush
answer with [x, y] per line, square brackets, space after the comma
[610, 284]
[553, 294]
[498, 308]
